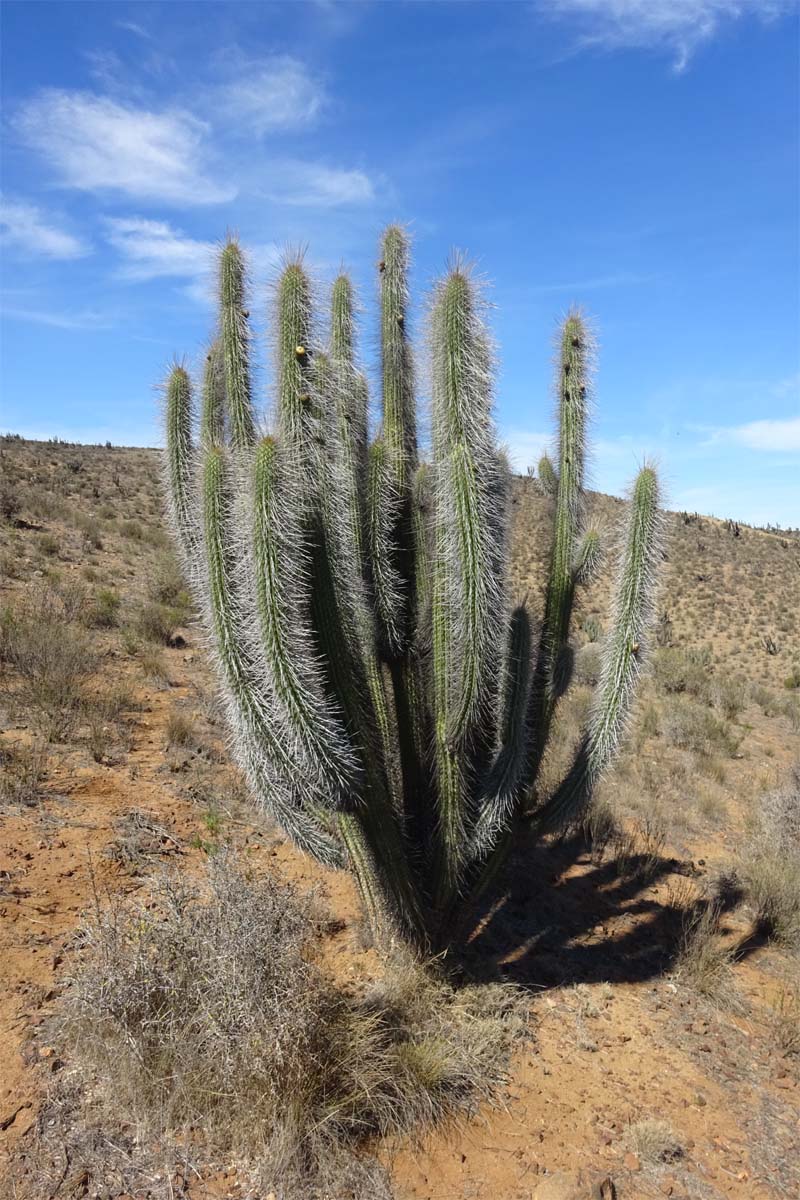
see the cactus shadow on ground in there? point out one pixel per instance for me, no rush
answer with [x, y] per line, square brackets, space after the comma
[560, 918]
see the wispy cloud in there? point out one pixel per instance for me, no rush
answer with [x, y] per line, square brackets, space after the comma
[679, 26]
[770, 435]
[268, 95]
[97, 144]
[26, 227]
[155, 249]
[85, 319]
[132, 27]
[316, 185]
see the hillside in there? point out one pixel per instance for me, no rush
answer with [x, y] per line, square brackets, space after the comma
[662, 1052]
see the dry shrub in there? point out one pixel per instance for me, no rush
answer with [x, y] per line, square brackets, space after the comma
[704, 962]
[51, 659]
[694, 727]
[654, 1141]
[158, 622]
[201, 1021]
[22, 771]
[180, 730]
[771, 863]
[785, 1017]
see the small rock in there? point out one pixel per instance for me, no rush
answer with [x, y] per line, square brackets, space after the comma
[631, 1162]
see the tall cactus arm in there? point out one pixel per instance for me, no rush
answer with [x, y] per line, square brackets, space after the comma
[280, 566]
[466, 599]
[342, 328]
[293, 337]
[212, 412]
[623, 654]
[573, 390]
[235, 337]
[283, 783]
[399, 415]
[180, 465]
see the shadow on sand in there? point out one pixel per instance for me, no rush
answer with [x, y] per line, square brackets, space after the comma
[561, 917]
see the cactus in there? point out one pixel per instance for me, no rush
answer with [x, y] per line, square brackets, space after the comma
[387, 706]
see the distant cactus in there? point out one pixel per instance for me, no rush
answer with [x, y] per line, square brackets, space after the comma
[387, 707]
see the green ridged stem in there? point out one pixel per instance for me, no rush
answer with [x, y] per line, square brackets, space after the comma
[180, 455]
[547, 476]
[262, 751]
[387, 583]
[588, 556]
[624, 653]
[235, 337]
[507, 776]
[399, 408]
[278, 554]
[384, 707]
[466, 600]
[293, 334]
[212, 413]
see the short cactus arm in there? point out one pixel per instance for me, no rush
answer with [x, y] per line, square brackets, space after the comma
[212, 413]
[547, 476]
[235, 338]
[623, 654]
[588, 556]
[293, 351]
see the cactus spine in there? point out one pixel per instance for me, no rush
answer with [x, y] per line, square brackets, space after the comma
[386, 708]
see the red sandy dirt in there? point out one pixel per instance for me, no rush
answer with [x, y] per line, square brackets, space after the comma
[628, 1044]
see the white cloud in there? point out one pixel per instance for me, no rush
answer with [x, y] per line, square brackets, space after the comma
[780, 435]
[154, 249]
[87, 318]
[678, 25]
[26, 227]
[525, 447]
[132, 27]
[318, 186]
[270, 95]
[96, 144]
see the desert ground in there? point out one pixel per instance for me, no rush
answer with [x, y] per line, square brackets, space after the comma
[653, 958]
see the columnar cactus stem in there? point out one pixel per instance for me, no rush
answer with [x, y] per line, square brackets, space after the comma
[623, 653]
[180, 463]
[383, 707]
[293, 336]
[236, 346]
[399, 409]
[212, 415]
[467, 601]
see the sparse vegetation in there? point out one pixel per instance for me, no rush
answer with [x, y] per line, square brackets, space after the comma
[178, 1008]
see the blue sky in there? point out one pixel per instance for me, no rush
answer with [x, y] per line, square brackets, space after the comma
[638, 157]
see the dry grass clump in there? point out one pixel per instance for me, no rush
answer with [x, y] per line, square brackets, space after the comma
[654, 1141]
[785, 1017]
[771, 863]
[202, 1021]
[50, 659]
[22, 771]
[704, 962]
